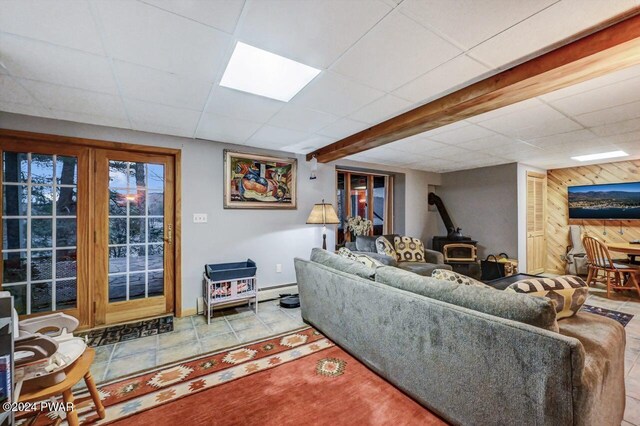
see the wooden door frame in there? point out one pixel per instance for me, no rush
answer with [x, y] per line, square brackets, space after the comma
[542, 176]
[24, 140]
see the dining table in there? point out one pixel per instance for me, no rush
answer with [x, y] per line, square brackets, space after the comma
[631, 250]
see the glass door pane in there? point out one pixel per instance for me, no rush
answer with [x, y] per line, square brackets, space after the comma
[359, 194]
[342, 209]
[379, 203]
[39, 230]
[136, 230]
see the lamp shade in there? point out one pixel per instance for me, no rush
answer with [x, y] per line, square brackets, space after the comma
[323, 213]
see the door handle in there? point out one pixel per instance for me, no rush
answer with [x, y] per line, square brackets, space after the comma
[169, 238]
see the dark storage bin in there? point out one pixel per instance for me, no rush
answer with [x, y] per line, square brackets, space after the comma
[230, 271]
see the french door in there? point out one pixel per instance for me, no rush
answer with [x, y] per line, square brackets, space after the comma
[86, 230]
[134, 235]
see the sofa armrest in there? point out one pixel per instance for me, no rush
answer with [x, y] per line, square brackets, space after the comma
[432, 256]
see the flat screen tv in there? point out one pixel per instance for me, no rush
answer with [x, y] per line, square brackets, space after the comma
[608, 201]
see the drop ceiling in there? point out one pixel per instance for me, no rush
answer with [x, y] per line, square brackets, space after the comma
[155, 66]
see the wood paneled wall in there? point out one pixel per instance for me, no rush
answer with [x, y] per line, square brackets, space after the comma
[558, 210]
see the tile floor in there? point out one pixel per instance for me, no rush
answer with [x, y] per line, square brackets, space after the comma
[192, 336]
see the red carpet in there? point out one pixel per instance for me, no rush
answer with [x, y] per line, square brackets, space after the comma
[299, 378]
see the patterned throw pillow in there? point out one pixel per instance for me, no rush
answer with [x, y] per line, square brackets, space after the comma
[454, 277]
[568, 292]
[362, 258]
[408, 249]
[383, 246]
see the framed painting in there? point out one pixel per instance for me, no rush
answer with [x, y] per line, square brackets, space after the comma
[254, 181]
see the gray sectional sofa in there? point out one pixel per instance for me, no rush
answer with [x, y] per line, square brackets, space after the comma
[367, 245]
[474, 356]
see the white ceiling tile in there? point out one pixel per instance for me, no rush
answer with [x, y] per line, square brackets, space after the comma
[334, 94]
[546, 28]
[271, 137]
[469, 22]
[512, 123]
[241, 105]
[617, 128]
[343, 128]
[146, 84]
[308, 145]
[225, 129]
[220, 14]
[98, 120]
[610, 115]
[63, 22]
[302, 119]
[45, 62]
[450, 152]
[550, 127]
[493, 142]
[562, 138]
[315, 33]
[415, 145]
[143, 34]
[11, 91]
[403, 50]
[148, 116]
[597, 99]
[381, 109]
[462, 134]
[18, 108]
[61, 98]
[446, 78]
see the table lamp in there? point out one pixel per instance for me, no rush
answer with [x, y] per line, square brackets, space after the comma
[324, 214]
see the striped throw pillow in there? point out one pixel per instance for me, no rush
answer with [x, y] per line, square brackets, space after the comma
[568, 292]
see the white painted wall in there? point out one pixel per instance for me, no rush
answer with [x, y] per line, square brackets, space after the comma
[266, 236]
[522, 212]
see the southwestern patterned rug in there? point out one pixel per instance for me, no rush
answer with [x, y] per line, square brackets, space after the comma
[621, 317]
[296, 378]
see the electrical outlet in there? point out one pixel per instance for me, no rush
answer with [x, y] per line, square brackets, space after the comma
[278, 267]
[199, 218]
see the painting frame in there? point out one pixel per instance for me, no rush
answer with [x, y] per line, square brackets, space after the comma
[231, 195]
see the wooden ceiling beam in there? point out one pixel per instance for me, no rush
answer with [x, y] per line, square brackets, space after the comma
[612, 48]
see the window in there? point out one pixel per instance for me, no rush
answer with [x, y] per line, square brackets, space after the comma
[39, 231]
[368, 196]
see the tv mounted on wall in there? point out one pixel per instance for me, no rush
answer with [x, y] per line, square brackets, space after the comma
[615, 201]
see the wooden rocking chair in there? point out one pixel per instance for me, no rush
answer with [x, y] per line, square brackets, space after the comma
[618, 276]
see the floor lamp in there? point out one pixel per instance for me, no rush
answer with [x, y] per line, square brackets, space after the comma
[323, 214]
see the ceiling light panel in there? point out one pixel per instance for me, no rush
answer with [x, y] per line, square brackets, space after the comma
[266, 74]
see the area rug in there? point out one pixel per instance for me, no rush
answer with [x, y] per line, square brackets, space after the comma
[621, 317]
[297, 378]
[129, 331]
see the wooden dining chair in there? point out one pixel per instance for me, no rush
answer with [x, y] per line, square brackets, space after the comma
[617, 275]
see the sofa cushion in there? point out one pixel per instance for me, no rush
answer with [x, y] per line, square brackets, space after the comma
[343, 264]
[420, 268]
[409, 249]
[384, 246]
[454, 277]
[366, 243]
[536, 311]
[366, 260]
[568, 292]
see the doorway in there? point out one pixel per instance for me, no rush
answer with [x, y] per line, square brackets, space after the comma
[89, 231]
[536, 222]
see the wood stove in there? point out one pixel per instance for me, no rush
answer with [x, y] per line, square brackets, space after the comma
[460, 252]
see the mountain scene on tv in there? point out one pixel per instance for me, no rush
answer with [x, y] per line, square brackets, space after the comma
[614, 201]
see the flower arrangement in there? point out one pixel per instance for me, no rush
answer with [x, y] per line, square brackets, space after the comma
[359, 226]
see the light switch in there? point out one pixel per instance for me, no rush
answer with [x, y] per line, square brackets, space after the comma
[199, 218]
